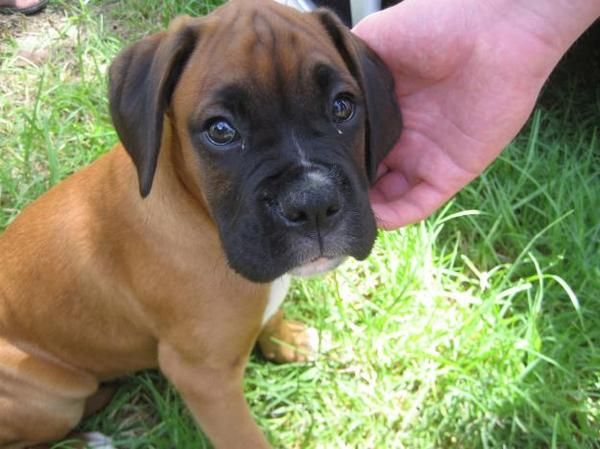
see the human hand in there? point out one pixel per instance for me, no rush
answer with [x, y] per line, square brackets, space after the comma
[467, 77]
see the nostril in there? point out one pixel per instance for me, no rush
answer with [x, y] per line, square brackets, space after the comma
[296, 216]
[332, 210]
[308, 206]
[265, 196]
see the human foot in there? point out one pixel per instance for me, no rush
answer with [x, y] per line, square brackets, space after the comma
[27, 7]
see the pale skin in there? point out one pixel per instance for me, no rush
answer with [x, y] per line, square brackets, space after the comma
[468, 73]
[17, 3]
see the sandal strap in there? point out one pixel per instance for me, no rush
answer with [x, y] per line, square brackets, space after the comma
[30, 10]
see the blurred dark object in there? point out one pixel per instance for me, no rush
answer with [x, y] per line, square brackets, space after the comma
[574, 86]
[582, 58]
[342, 7]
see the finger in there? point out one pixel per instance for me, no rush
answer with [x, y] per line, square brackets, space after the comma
[417, 204]
[392, 184]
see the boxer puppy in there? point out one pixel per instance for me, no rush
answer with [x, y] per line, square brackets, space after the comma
[248, 141]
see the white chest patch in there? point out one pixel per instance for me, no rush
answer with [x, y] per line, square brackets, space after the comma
[279, 289]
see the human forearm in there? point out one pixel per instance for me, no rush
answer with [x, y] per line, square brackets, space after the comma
[559, 22]
[554, 24]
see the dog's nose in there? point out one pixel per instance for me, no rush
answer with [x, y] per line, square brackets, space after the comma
[313, 202]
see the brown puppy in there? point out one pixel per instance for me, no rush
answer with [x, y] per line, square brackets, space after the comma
[253, 133]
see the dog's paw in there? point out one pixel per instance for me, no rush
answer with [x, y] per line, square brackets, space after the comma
[292, 342]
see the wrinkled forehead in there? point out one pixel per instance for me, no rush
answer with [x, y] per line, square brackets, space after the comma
[253, 47]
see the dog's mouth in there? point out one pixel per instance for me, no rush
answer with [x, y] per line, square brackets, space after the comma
[317, 266]
[305, 232]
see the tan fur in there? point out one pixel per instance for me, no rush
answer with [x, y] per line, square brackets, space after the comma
[96, 282]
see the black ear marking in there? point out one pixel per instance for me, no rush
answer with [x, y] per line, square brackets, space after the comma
[141, 82]
[384, 121]
[337, 31]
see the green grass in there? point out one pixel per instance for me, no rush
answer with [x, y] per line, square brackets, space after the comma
[478, 328]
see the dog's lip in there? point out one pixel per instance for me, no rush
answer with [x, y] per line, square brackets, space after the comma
[318, 265]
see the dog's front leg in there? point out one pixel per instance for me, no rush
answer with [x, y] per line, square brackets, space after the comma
[212, 389]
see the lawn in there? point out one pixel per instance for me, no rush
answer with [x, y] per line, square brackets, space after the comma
[478, 328]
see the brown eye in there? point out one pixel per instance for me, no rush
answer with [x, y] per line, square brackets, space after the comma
[342, 109]
[220, 132]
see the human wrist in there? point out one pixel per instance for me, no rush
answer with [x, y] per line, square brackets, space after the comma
[556, 23]
[529, 37]
[550, 26]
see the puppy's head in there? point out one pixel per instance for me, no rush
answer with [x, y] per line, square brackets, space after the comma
[280, 118]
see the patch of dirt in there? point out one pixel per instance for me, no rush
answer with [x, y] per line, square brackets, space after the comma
[29, 39]
[10, 24]
[117, 21]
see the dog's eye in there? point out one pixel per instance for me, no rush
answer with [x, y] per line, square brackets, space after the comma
[220, 132]
[342, 108]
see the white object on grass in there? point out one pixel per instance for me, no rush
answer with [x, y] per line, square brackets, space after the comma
[96, 440]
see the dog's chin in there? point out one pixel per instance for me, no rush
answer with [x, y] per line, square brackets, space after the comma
[317, 266]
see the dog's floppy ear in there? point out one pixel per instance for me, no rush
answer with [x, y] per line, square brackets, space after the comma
[141, 82]
[384, 121]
